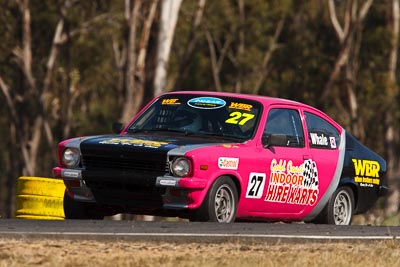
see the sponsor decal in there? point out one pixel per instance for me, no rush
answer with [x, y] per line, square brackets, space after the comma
[229, 146]
[170, 101]
[133, 142]
[239, 118]
[333, 141]
[293, 184]
[206, 102]
[366, 172]
[255, 187]
[71, 174]
[228, 163]
[168, 182]
[241, 106]
[366, 185]
[319, 140]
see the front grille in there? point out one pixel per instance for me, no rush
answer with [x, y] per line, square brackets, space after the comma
[124, 176]
[101, 162]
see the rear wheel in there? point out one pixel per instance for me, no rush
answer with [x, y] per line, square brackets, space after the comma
[80, 210]
[340, 208]
[220, 204]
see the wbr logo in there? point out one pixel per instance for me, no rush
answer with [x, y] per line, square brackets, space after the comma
[171, 101]
[367, 171]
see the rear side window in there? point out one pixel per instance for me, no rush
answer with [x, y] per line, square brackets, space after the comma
[285, 122]
[321, 133]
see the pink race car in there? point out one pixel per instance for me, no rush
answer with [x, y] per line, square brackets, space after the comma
[221, 157]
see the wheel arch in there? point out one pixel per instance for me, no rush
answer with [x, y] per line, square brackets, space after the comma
[235, 177]
[348, 182]
[237, 184]
[202, 213]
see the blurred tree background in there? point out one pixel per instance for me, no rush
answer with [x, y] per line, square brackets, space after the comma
[70, 68]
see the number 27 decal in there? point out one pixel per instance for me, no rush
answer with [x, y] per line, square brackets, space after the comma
[240, 118]
[255, 187]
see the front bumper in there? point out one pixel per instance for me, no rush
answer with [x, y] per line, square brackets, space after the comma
[184, 183]
[76, 186]
[181, 193]
[178, 193]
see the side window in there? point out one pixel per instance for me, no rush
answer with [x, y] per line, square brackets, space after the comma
[285, 122]
[321, 133]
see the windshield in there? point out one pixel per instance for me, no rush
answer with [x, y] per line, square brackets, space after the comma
[200, 115]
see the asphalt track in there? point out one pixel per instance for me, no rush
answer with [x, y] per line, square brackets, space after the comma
[192, 232]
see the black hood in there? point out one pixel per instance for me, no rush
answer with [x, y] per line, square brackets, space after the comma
[154, 142]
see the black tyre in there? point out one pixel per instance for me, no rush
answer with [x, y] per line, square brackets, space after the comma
[340, 208]
[220, 204]
[80, 210]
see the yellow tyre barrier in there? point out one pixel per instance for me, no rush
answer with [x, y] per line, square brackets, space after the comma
[39, 186]
[32, 217]
[40, 198]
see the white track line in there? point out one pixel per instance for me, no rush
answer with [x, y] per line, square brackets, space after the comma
[306, 237]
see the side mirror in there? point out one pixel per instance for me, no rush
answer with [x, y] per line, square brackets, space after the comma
[117, 127]
[274, 140]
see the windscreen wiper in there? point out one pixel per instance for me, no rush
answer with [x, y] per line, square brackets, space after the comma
[136, 130]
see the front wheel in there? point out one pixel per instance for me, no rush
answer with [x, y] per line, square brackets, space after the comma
[220, 204]
[80, 210]
[340, 208]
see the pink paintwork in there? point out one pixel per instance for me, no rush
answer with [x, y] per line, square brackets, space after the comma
[261, 158]
[255, 160]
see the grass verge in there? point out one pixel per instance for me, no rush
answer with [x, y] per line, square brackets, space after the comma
[63, 253]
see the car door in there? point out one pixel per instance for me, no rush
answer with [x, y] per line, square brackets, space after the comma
[284, 154]
[324, 139]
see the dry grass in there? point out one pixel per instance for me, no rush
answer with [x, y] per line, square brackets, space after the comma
[63, 253]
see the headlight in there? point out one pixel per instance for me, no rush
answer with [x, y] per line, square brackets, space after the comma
[71, 157]
[180, 167]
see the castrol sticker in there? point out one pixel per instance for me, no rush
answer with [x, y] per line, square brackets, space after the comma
[228, 163]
